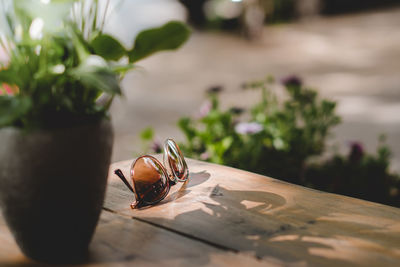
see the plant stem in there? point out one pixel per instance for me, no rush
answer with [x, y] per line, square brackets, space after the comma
[104, 16]
[96, 10]
[264, 94]
[82, 21]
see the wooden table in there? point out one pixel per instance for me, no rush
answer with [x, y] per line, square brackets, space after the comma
[224, 216]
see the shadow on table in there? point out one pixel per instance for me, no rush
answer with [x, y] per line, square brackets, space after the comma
[194, 180]
[264, 225]
[22, 263]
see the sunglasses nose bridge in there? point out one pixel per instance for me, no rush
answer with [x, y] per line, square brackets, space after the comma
[172, 181]
[174, 162]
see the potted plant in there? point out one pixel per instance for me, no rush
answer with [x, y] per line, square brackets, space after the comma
[59, 75]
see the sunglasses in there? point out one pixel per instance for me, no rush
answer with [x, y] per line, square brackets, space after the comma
[152, 180]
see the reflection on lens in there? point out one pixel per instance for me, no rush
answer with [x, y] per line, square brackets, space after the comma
[150, 179]
[174, 161]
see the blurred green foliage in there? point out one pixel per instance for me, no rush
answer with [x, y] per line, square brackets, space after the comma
[285, 138]
[61, 69]
[277, 139]
[358, 174]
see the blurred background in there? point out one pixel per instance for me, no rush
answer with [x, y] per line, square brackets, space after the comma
[348, 50]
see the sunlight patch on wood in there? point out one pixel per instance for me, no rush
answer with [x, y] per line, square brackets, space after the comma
[382, 223]
[284, 238]
[252, 204]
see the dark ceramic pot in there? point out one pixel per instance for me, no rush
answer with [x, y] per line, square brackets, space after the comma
[52, 187]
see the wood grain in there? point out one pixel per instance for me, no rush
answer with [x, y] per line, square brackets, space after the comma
[121, 241]
[269, 219]
[228, 217]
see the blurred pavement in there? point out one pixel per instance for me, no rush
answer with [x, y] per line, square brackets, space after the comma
[354, 59]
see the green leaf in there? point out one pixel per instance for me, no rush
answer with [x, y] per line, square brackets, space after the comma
[147, 134]
[98, 78]
[185, 125]
[81, 46]
[168, 37]
[227, 142]
[8, 76]
[122, 68]
[13, 108]
[108, 47]
[94, 73]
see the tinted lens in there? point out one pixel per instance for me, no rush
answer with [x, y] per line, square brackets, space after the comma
[174, 161]
[150, 179]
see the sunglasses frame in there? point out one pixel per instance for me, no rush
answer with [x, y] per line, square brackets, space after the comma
[172, 178]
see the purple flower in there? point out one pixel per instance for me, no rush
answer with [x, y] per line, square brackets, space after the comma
[156, 146]
[291, 80]
[204, 156]
[356, 152]
[204, 109]
[248, 128]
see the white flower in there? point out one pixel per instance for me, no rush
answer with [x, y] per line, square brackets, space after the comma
[38, 48]
[58, 69]
[248, 128]
[95, 61]
[36, 29]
